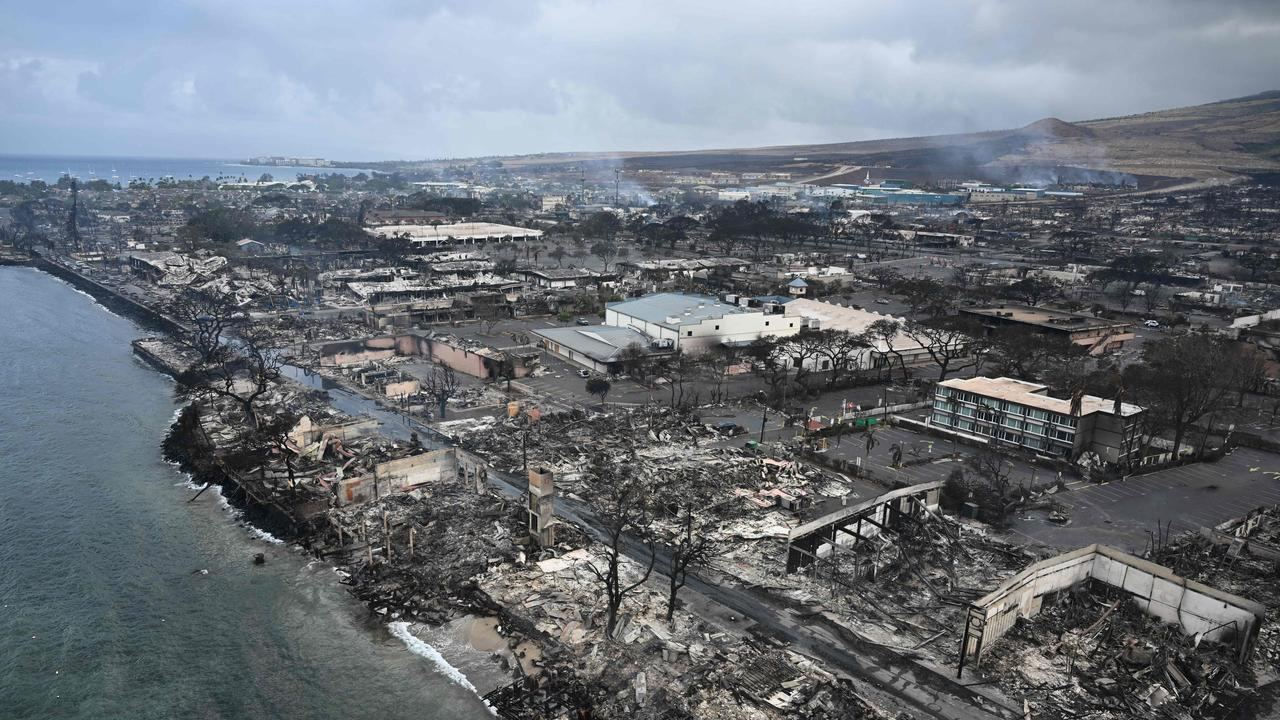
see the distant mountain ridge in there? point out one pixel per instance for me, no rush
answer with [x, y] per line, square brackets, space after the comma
[1211, 142]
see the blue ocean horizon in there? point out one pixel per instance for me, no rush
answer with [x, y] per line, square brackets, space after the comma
[124, 169]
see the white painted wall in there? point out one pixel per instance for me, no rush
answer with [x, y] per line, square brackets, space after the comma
[702, 336]
[1194, 607]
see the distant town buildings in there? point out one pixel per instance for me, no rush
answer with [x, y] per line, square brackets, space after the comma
[399, 216]
[285, 161]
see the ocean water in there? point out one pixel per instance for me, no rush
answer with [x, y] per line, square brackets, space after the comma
[104, 609]
[25, 168]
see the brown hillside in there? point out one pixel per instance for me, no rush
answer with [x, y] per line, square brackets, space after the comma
[1205, 142]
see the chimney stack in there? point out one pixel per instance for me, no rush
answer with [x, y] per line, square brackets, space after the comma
[541, 507]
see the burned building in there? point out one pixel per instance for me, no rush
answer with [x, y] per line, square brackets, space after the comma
[1098, 335]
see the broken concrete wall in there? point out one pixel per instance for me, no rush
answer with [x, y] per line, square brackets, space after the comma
[460, 359]
[1196, 608]
[357, 352]
[822, 536]
[402, 389]
[382, 347]
[471, 471]
[409, 472]
[417, 469]
[306, 432]
[476, 362]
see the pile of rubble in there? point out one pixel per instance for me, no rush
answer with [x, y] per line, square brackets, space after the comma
[1092, 652]
[1245, 564]
[477, 396]
[652, 667]
[315, 329]
[1095, 654]
[415, 556]
[660, 438]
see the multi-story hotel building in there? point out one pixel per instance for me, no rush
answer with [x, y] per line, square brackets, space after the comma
[1019, 413]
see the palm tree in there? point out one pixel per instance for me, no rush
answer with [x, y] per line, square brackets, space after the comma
[872, 440]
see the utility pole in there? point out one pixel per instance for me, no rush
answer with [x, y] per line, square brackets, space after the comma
[617, 175]
[73, 228]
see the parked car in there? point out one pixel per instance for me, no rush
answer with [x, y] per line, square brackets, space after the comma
[583, 321]
[584, 373]
[1152, 323]
[882, 301]
[730, 429]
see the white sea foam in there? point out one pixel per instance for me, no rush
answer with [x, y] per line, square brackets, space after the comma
[226, 505]
[416, 646]
[95, 300]
[238, 515]
[263, 535]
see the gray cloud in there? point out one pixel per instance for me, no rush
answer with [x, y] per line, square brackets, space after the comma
[402, 79]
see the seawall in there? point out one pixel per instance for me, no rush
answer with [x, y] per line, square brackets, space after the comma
[109, 297]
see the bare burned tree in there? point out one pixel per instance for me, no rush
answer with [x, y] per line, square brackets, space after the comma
[886, 333]
[946, 343]
[489, 314]
[986, 483]
[243, 373]
[694, 519]
[636, 362]
[528, 430]
[622, 499]
[770, 363]
[676, 370]
[802, 352]
[994, 468]
[441, 384]
[1183, 378]
[715, 369]
[843, 352]
[207, 317]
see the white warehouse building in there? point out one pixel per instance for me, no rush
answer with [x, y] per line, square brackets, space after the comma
[464, 233]
[697, 323]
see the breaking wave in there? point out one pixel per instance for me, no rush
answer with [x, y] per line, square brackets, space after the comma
[238, 514]
[416, 646]
[75, 288]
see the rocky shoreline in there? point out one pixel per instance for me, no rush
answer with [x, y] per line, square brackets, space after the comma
[188, 447]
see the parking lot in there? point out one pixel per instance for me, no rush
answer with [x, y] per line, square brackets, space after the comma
[563, 388]
[1123, 513]
[915, 447]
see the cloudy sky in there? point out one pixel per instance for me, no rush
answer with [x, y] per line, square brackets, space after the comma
[388, 79]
